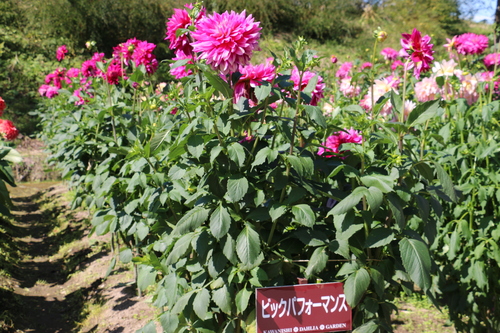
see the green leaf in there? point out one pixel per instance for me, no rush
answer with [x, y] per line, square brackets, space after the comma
[382, 182]
[248, 246]
[126, 256]
[374, 198]
[146, 276]
[262, 91]
[304, 166]
[356, 285]
[111, 266]
[191, 220]
[368, 327]
[181, 303]
[219, 84]
[479, 275]
[276, 211]
[201, 303]
[180, 248]
[379, 237]
[423, 112]
[220, 221]
[349, 202]
[316, 115]
[242, 299]
[149, 328]
[416, 261]
[304, 215]
[317, 262]
[261, 156]
[222, 298]
[397, 210]
[169, 321]
[446, 182]
[195, 145]
[237, 187]
[378, 282]
[236, 153]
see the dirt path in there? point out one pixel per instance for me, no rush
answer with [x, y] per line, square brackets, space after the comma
[40, 277]
[59, 284]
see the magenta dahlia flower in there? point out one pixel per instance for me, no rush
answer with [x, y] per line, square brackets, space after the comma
[143, 55]
[226, 40]
[181, 20]
[125, 50]
[492, 60]
[61, 52]
[333, 142]
[114, 72]
[470, 43]
[251, 77]
[317, 93]
[419, 50]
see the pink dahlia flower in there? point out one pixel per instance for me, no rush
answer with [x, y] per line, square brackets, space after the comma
[470, 43]
[114, 72]
[389, 54]
[344, 70]
[334, 142]
[252, 76]
[125, 50]
[181, 20]
[180, 71]
[396, 64]
[492, 60]
[73, 72]
[7, 130]
[61, 52]
[380, 88]
[226, 40]
[366, 65]
[317, 93]
[468, 88]
[143, 55]
[419, 50]
[57, 77]
[426, 89]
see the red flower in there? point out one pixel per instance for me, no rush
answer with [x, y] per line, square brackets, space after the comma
[2, 106]
[419, 50]
[7, 130]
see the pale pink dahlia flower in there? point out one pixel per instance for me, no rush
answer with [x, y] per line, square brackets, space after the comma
[226, 40]
[468, 88]
[427, 89]
[252, 76]
[445, 68]
[333, 142]
[181, 20]
[61, 52]
[380, 88]
[470, 43]
[317, 93]
[389, 54]
[419, 50]
[348, 89]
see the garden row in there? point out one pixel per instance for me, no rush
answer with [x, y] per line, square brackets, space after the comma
[382, 175]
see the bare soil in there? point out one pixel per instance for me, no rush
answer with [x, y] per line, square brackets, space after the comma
[59, 285]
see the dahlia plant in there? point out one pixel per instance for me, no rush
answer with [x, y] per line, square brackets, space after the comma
[233, 178]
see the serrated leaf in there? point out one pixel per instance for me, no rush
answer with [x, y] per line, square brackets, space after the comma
[349, 202]
[242, 299]
[169, 321]
[180, 248]
[191, 220]
[417, 262]
[237, 187]
[304, 215]
[446, 182]
[195, 145]
[236, 153]
[317, 262]
[222, 298]
[220, 221]
[356, 285]
[248, 246]
[201, 303]
[379, 237]
[126, 256]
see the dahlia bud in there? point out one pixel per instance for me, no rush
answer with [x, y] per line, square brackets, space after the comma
[380, 35]
[333, 59]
